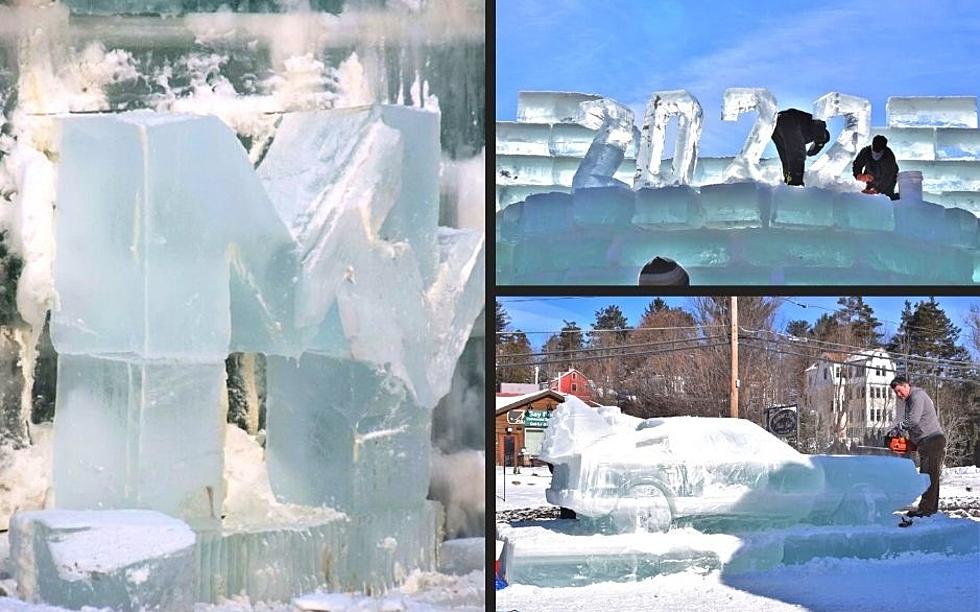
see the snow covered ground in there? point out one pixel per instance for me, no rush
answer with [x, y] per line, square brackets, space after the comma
[523, 490]
[915, 581]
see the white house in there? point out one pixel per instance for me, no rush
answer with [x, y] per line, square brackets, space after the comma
[850, 394]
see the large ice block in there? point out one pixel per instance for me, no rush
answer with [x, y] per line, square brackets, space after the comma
[516, 138]
[130, 560]
[909, 142]
[144, 208]
[614, 124]
[736, 205]
[342, 179]
[371, 550]
[115, 431]
[828, 168]
[550, 106]
[565, 554]
[956, 143]
[927, 111]
[624, 473]
[661, 107]
[345, 435]
[738, 100]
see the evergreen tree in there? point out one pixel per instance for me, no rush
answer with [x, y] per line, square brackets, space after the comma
[609, 318]
[568, 339]
[501, 318]
[516, 350]
[798, 328]
[860, 320]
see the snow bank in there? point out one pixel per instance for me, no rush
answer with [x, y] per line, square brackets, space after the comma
[25, 475]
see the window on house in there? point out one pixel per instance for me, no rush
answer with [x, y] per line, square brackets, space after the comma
[837, 371]
[573, 375]
[574, 387]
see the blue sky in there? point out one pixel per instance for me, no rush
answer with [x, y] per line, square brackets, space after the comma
[797, 50]
[546, 314]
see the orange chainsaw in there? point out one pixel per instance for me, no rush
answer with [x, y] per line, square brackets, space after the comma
[900, 444]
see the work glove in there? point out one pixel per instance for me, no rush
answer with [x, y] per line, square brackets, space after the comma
[894, 432]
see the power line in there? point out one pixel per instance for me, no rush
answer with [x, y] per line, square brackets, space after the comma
[856, 365]
[829, 346]
[634, 354]
[612, 348]
[595, 331]
[851, 310]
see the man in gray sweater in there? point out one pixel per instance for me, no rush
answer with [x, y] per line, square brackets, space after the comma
[921, 424]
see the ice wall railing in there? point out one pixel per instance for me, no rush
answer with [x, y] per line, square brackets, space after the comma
[724, 220]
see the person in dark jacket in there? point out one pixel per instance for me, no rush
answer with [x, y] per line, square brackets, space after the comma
[920, 423]
[876, 166]
[794, 129]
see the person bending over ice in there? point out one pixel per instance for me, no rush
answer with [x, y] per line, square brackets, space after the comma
[794, 129]
[921, 423]
[876, 166]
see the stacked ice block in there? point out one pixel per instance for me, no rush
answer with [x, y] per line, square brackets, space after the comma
[174, 252]
[166, 239]
[937, 136]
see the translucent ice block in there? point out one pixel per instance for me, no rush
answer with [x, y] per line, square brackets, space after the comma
[342, 179]
[828, 168]
[144, 202]
[115, 435]
[370, 550]
[345, 435]
[127, 559]
[666, 207]
[662, 106]
[607, 207]
[614, 124]
[515, 138]
[736, 205]
[738, 100]
[909, 142]
[550, 106]
[859, 211]
[955, 143]
[462, 555]
[809, 207]
[921, 111]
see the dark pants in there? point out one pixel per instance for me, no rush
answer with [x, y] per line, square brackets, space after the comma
[931, 454]
[791, 148]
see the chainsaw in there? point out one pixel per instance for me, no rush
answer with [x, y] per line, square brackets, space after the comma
[897, 444]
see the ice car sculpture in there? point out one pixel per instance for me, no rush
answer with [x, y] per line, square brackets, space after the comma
[715, 474]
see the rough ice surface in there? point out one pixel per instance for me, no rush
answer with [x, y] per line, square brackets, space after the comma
[181, 272]
[958, 144]
[126, 559]
[343, 435]
[115, 431]
[565, 554]
[738, 100]
[462, 555]
[826, 171]
[366, 551]
[925, 111]
[614, 124]
[662, 106]
[716, 474]
[550, 106]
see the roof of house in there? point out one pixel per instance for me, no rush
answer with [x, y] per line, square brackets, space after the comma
[505, 402]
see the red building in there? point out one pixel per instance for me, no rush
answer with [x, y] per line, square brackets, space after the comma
[574, 383]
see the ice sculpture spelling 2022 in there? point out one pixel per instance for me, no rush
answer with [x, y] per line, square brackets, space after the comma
[173, 252]
[660, 495]
[618, 205]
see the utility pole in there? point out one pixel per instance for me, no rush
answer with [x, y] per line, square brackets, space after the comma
[734, 331]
